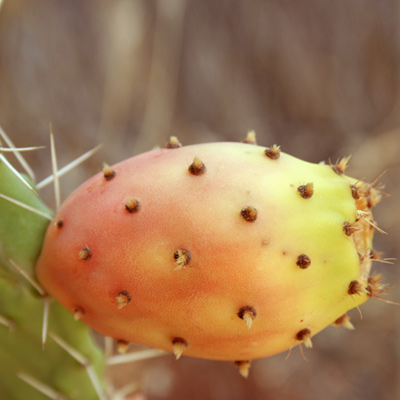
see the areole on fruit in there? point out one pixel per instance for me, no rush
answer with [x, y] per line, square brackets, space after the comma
[227, 251]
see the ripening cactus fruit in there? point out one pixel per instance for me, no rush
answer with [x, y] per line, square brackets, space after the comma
[227, 251]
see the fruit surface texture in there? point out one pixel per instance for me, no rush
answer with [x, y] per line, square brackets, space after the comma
[228, 251]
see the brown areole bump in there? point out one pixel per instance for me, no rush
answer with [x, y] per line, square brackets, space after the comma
[355, 287]
[108, 172]
[247, 314]
[303, 261]
[349, 228]
[122, 346]
[355, 191]
[244, 366]
[173, 143]
[344, 321]
[306, 191]
[250, 138]
[132, 205]
[179, 345]
[197, 167]
[304, 336]
[79, 312]
[249, 213]
[340, 166]
[123, 299]
[85, 253]
[273, 152]
[182, 257]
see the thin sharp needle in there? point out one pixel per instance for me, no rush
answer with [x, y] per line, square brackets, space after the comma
[28, 277]
[70, 350]
[122, 393]
[68, 167]
[95, 382]
[83, 361]
[54, 167]
[17, 174]
[19, 157]
[108, 346]
[6, 322]
[135, 356]
[41, 387]
[26, 207]
[45, 325]
[19, 149]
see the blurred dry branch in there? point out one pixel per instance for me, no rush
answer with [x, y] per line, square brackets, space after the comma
[164, 74]
[320, 78]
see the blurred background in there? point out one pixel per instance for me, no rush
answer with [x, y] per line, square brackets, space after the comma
[319, 78]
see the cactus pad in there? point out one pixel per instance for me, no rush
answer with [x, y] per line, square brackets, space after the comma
[28, 369]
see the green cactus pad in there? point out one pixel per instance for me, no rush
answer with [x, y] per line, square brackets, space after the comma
[21, 309]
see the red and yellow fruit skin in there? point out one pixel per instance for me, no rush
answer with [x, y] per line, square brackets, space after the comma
[235, 262]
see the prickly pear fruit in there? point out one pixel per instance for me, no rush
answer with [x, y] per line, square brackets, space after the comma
[226, 251]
